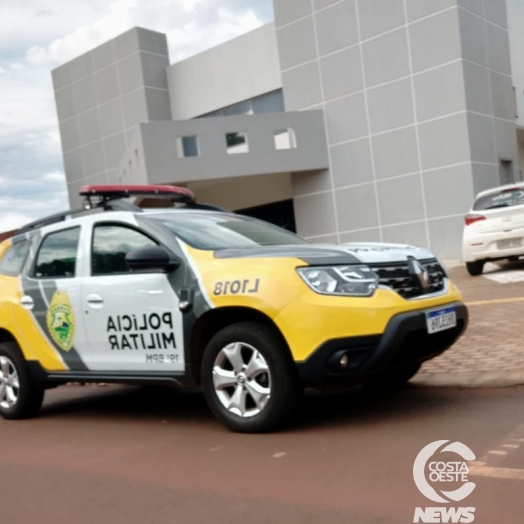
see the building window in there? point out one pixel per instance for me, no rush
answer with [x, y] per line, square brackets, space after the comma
[272, 102]
[285, 139]
[237, 143]
[187, 146]
[242, 108]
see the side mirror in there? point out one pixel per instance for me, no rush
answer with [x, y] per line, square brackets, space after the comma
[152, 258]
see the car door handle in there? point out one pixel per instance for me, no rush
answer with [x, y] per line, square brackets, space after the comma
[27, 302]
[95, 300]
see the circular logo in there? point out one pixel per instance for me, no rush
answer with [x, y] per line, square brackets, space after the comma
[441, 471]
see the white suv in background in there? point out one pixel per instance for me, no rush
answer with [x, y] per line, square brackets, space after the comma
[494, 227]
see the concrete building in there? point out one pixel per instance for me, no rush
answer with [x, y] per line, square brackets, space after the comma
[344, 119]
[516, 39]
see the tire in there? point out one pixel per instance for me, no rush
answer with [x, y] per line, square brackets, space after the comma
[475, 268]
[249, 378]
[513, 259]
[396, 379]
[25, 400]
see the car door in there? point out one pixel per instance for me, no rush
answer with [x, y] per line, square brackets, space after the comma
[51, 293]
[132, 319]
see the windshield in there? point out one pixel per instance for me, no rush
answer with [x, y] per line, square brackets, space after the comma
[218, 231]
[505, 198]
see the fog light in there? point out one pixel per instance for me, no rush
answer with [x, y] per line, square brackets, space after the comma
[344, 361]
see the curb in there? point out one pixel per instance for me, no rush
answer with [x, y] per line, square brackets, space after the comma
[481, 379]
[452, 264]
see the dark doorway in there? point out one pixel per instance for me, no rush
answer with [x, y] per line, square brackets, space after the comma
[279, 213]
[506, 174]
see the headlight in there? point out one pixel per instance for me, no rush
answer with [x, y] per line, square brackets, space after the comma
[354, 281]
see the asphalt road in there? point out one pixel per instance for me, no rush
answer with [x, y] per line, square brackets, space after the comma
[120, 455]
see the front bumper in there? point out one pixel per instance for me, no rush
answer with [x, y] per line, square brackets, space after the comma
[405, 342]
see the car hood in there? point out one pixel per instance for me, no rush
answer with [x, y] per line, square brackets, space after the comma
[380, 252]
[311, 254]
[332, 254]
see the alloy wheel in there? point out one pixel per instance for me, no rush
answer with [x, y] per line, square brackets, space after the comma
[9, 383]
[242, 379]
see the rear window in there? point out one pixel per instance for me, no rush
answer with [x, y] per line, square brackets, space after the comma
[506, 198]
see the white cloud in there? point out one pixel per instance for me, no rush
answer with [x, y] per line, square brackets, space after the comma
[193, 38]
[55, 176]
[13, 220]
[192, 25]
[38, 35]
[25, 199]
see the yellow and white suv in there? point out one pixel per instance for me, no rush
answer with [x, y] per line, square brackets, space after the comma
[193, 296]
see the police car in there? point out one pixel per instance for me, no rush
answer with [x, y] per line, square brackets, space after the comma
[195, 296]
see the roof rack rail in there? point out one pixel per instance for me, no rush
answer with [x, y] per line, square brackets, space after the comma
[111, 199]
[116, 205]
[52, 219]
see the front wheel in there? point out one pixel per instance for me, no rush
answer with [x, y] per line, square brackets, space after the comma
[249, 378]
[475, 268]
[20, 396]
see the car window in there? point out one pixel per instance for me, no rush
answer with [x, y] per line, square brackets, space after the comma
[111, 244]
[218, 231]
[504, 198]
[14, 259]
[57, 254]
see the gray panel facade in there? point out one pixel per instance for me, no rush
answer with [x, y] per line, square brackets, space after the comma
[102, 96]
[418, 108]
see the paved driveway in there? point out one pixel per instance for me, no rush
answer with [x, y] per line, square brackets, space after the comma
[492, 351]
[121, 455]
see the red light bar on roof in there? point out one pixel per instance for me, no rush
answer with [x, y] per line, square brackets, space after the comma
[180, 194]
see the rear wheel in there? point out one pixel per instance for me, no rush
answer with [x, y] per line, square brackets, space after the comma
[475, 268]
[20, 396]
[249, 378]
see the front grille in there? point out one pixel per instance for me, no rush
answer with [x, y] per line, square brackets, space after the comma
[397, 277]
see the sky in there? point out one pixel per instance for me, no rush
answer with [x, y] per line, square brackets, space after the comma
[38, 35]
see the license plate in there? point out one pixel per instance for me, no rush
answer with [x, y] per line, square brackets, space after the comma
[509, 243]
[441, 320]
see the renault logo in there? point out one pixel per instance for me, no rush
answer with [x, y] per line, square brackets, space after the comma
[419, 273]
